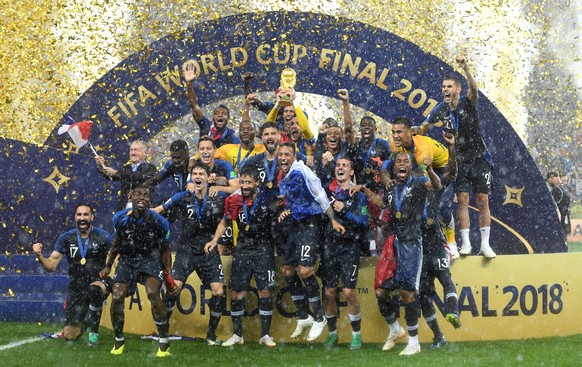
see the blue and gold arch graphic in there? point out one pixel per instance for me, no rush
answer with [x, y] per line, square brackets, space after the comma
[385, 75]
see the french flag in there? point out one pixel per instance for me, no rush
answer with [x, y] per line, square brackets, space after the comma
[79, 131]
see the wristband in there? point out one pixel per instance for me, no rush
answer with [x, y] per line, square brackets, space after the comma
[423, 167]
[167, 204]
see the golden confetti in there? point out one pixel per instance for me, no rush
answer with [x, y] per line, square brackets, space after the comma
[524, 53]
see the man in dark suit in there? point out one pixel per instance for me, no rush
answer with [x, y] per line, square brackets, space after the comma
[132, 174]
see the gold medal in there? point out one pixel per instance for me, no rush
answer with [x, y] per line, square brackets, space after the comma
[83, 261]
[398, 215]
[270, 184]
[429, 221]
[247, 227]
[368, 170]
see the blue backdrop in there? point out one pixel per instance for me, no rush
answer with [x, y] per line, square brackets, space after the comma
[144, 93]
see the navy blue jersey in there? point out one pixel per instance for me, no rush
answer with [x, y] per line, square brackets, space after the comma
[197, 231]
[432, 233]
[406, 203]
[354, 215]
[363, 165]
[326, 173]
[223, 169]
[465, 121]
[179, 174]
[268, 171]
[220, 138]
[94, 249]
[140, 237]
[254, 220]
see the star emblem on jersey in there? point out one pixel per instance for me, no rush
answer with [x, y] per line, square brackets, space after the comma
[513, 196]
[56, 174]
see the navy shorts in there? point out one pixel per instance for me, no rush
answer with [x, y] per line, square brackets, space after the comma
[131, 270]
[436, 264]
[474, 176]
[262, 266]
[303, 243]
[408, 265]
[340, 260]
[207, 267]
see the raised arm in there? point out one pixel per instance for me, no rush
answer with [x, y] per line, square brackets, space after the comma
[473, 92]
[349, 131]
[435, 181]
[50, 263]
[190, 76]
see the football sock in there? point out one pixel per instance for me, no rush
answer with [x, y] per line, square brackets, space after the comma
[237, 310]
[215, 305]
[265, 314]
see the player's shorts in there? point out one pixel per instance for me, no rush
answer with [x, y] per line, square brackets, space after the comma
[436, 264]
[408, 265]
[77, 302]
[303, 242]
[207, 267]
[262, 266]
[474, 176]
[77, 306]
[340, 259]
[131, 270]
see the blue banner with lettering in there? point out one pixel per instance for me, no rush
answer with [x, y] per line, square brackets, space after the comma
[143, 94]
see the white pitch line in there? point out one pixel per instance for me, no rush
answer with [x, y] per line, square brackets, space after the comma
[19, 343]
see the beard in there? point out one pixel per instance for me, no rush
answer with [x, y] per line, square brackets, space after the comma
[83, 226]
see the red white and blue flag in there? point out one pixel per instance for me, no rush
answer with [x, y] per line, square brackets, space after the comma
[78, 131]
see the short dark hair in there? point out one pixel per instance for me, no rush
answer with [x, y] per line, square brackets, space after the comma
[269, 125]
[143, 188]
[206, 138]
[85, 204]
[552, 174]
[249, 171]
[331, 122]
[178, 146]
[401, 153]
[401, 121]
[289, 145]
[223, 106]
[199, 164]
[368, 118]
[454, 78]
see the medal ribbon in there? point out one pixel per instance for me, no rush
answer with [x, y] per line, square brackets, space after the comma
[366, 157]
[246, 211]
[82, 249]
[238, 161]
[200, 208]
[398, 199]
[454, 121]
[270, 172]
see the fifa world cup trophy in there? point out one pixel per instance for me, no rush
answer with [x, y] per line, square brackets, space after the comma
[288, 80]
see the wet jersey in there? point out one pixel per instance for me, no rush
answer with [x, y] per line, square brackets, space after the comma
[93, 249]
[140, 237]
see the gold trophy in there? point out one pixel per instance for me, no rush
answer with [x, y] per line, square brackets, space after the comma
[288, 80]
